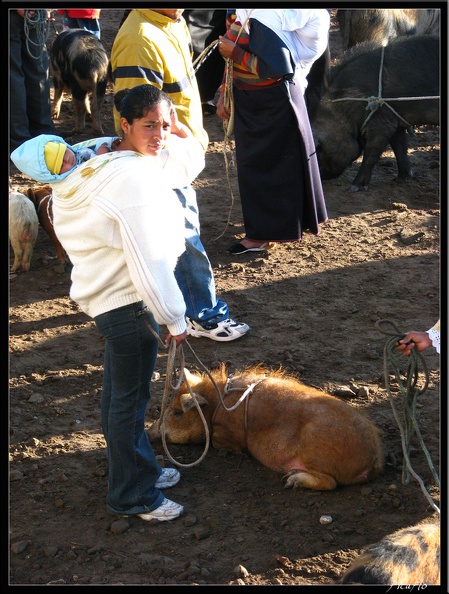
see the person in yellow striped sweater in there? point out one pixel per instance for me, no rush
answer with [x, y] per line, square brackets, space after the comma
[154, 47]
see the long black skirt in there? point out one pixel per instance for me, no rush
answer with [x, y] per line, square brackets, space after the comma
[277, 168]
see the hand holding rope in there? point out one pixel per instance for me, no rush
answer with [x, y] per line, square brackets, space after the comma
[407, 366]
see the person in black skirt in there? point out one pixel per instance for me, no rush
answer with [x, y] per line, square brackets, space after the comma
[277, 168]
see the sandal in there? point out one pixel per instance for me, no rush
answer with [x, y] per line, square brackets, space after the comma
[209, 108]
[238, 249]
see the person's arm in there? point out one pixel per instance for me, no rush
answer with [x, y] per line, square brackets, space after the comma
[420, 340]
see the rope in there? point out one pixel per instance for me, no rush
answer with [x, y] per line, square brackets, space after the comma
[171, 388]
[199, 61]
[228, 125]
[37, 20]
[173, 382]
[228, 100]
[408, 367]
[48, 208]
[375, 102]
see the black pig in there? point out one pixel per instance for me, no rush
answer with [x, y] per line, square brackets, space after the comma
[79, 64]
[344, 129]
[384, 24]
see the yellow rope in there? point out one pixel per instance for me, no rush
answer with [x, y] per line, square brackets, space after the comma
[204, 55]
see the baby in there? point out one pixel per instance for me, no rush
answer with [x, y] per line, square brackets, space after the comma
[50, 159]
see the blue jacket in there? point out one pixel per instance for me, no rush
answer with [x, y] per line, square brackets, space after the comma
[29, 157]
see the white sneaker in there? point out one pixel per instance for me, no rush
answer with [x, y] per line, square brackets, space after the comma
[224, 331]
[168, 510]
[169, 477]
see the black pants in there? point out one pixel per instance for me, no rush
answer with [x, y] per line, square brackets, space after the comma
[29, 100]
[205, 26]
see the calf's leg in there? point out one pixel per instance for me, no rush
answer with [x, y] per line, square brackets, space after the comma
[303, 478]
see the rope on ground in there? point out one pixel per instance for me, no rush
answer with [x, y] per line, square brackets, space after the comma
[408, 368]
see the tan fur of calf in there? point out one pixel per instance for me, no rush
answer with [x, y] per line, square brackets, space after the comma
[23, 230]
[42, 200]
[408, 556]
[316, 439]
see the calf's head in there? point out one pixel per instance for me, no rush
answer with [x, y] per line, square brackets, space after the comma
[181, 422]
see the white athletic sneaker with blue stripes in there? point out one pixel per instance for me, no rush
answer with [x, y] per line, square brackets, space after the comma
[168, 510]
[169, 477]
[224, 331]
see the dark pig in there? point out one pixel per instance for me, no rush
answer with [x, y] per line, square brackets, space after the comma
[79, 65]
[351, 120]
[409, 556]
[383, 24]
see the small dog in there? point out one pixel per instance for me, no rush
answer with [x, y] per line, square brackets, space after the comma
[79, 64]
[23, 229]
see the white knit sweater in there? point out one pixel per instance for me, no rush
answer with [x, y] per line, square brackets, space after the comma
[123, 229]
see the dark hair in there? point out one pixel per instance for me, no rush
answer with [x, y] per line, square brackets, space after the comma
[136, 102]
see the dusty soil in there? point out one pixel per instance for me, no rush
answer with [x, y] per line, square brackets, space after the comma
[312, 307]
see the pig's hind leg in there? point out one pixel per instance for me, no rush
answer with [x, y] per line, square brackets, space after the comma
[398, 143]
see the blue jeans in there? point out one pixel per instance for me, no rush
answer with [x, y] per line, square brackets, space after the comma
[129, 360]
[91, 25]
[193, 271]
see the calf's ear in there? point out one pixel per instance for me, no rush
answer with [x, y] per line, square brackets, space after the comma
[187, 402]
[192, 379]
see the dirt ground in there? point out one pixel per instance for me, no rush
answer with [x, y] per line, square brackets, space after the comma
[312, 307]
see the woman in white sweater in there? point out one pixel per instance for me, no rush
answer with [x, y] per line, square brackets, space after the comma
[124, 242]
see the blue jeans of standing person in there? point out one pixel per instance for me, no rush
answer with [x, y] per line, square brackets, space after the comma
[29, 91]
[129, 360]
[92, 25]
[193, 271]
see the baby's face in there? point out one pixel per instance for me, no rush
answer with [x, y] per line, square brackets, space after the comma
[69, 161]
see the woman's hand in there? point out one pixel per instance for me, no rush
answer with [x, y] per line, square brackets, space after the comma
[225, 46]
[222, 112]
[176, 127]
[418, 340]
[179, 338]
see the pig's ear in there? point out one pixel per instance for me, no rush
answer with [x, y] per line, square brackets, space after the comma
[187, 401]
[193, 380]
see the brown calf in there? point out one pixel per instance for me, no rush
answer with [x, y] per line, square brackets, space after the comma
[42, 200]
[315, 439]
